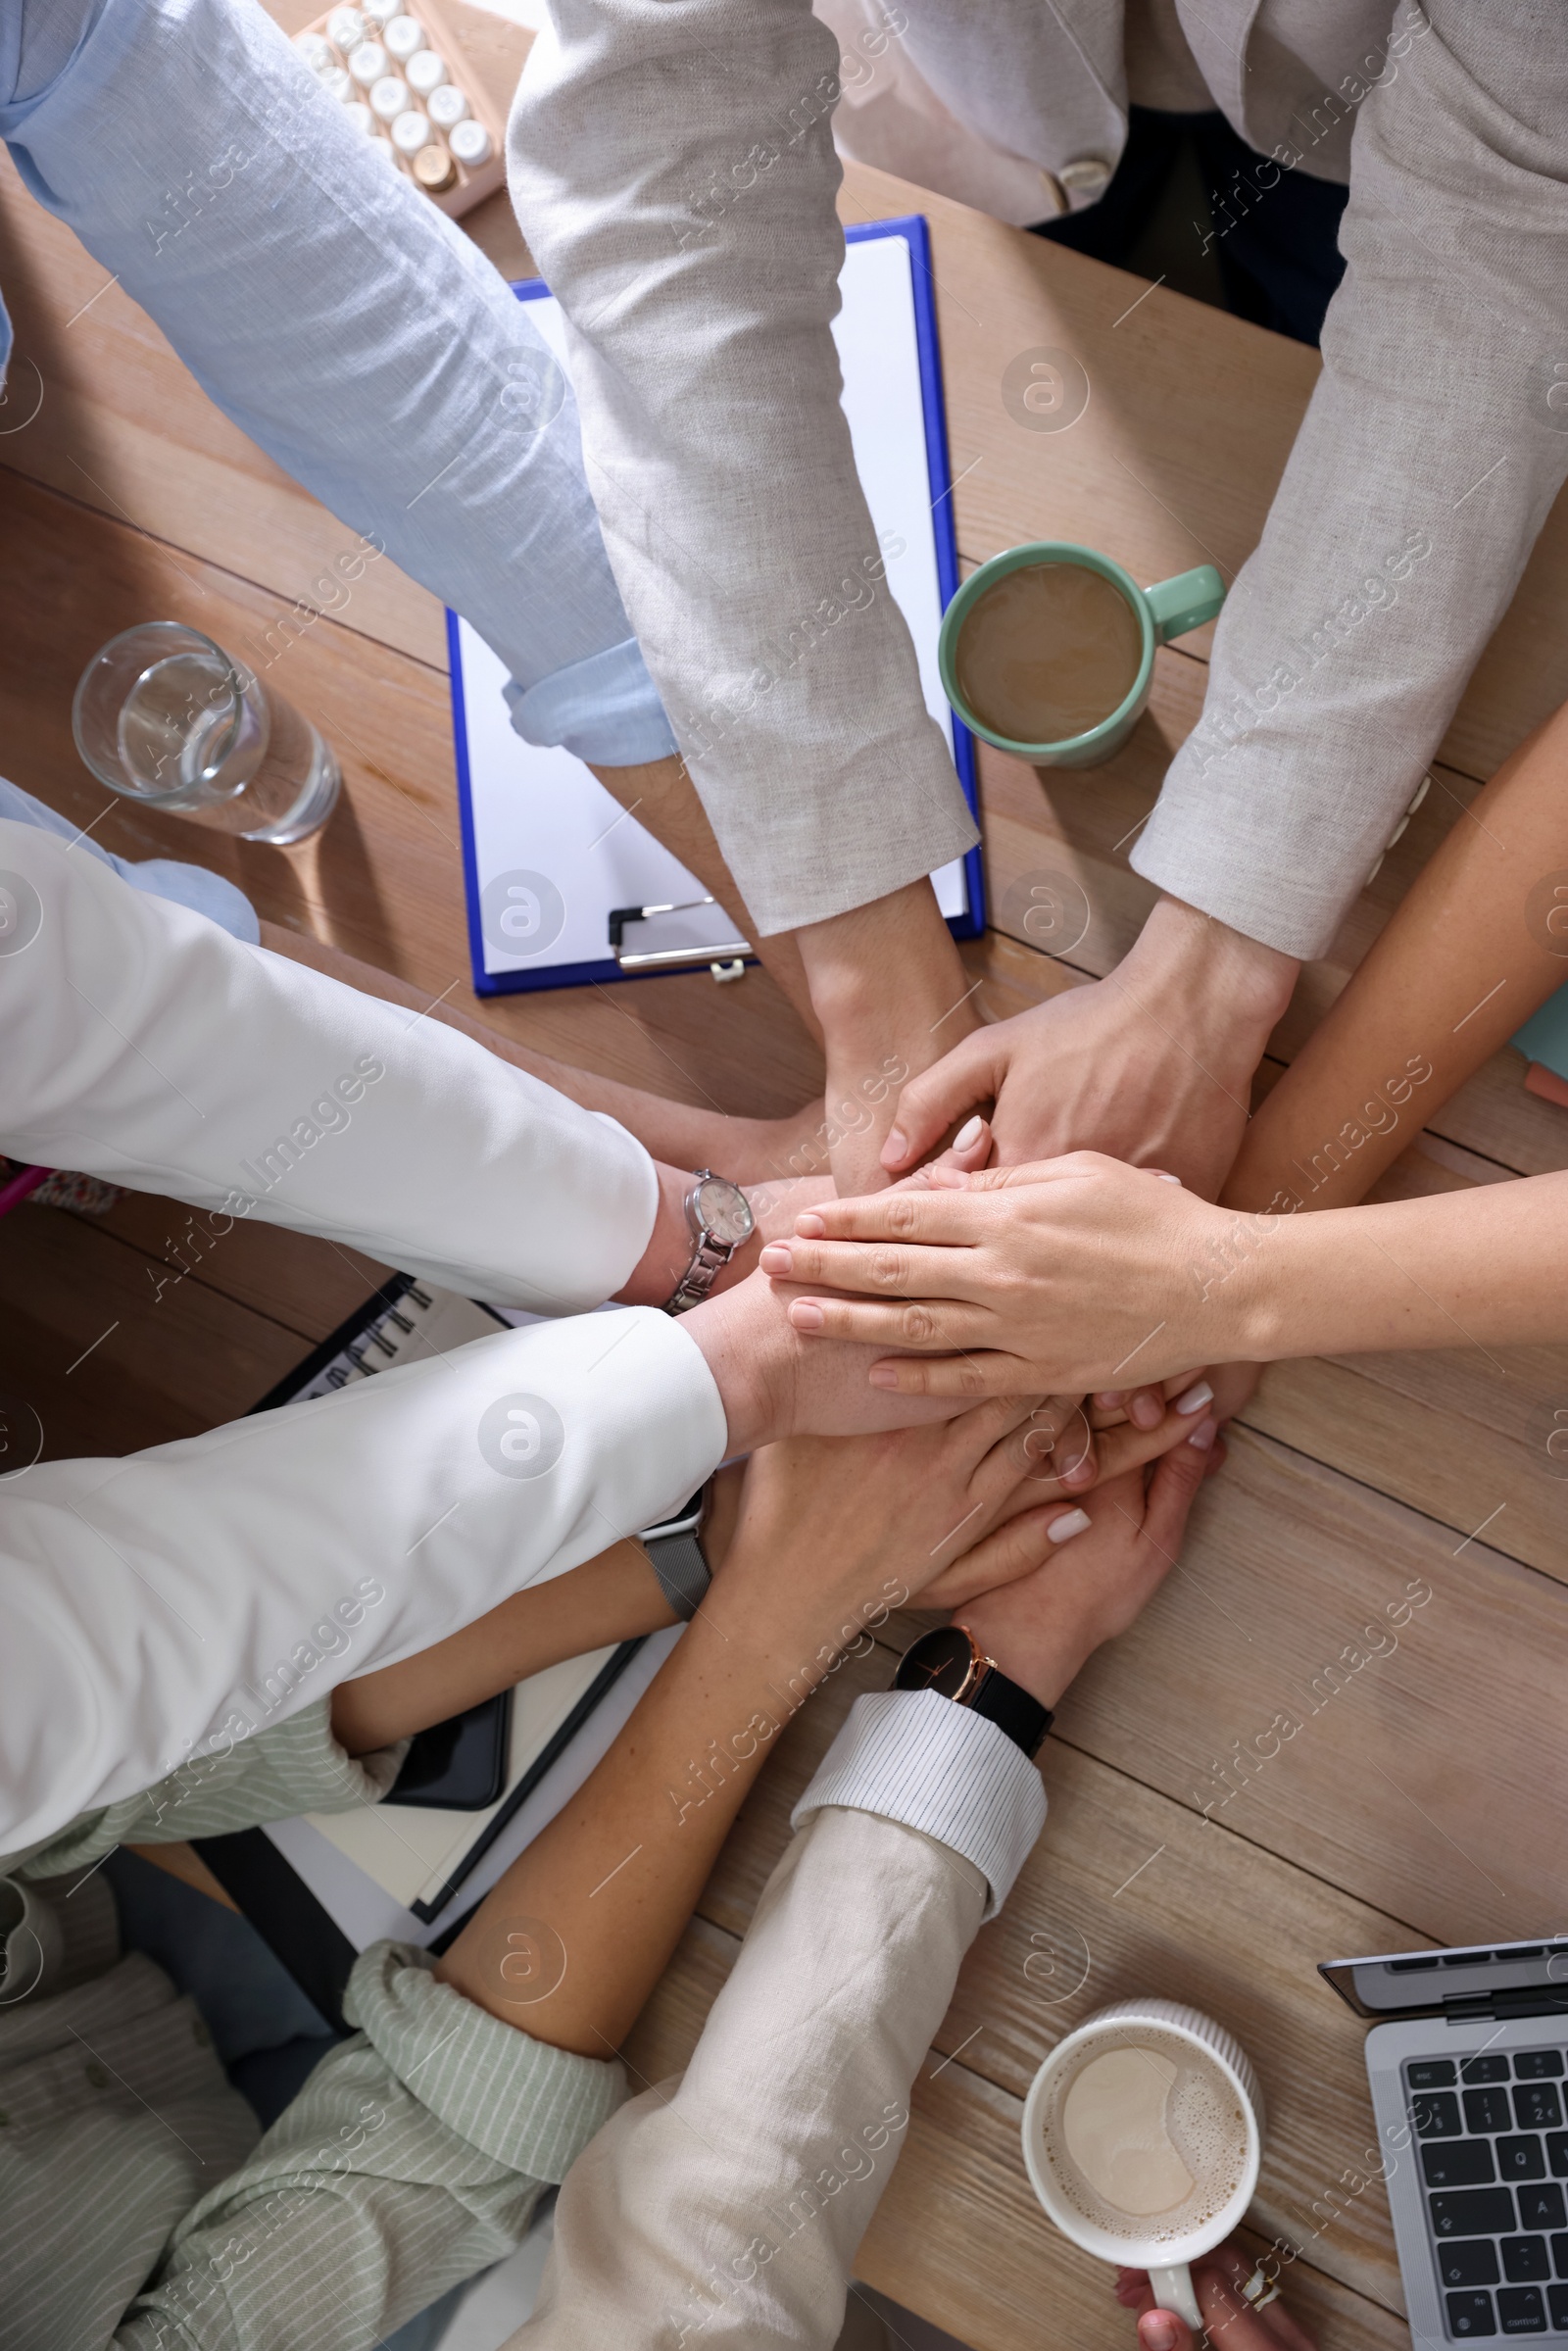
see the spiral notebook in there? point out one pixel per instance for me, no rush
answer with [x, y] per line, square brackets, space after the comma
[564, 886]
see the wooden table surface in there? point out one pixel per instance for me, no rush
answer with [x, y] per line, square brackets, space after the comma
[1411, 1804]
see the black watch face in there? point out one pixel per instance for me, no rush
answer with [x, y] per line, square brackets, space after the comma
[941, 1661]
[724, 1209]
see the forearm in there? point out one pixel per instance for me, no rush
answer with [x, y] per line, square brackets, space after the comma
[1455, 973]
[614, 1597]
[604, 1893]
[890, 995]
[1486, 1267]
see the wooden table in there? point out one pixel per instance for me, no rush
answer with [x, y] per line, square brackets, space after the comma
[1412, 1804]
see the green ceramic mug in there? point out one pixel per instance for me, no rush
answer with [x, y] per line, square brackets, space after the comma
[1167, 609]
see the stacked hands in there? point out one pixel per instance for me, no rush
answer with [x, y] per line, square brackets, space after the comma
[1088, 1284]
[969, 1517]
[1073, 1274]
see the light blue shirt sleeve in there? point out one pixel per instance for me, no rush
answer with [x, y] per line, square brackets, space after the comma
[190, 886]
[342, 321]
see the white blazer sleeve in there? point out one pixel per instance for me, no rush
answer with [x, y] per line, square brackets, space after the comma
[673, 172]
[1436, 441]
[145, 1045]
[160, 1609]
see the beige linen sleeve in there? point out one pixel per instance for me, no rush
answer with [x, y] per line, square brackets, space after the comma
[1434, 443]
[725, 2209]
[673, 171]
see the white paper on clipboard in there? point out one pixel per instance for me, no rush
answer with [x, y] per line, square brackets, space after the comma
[539, 813]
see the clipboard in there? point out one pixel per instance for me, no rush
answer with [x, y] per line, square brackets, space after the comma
[534, 817]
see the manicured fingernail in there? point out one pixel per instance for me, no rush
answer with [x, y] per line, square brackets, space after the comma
[1145, 1411]
[1109, 1396]
[1082, 1473]
[775, 1258]
[893, 1150]
[1204, 1436]
[883, 1375]
[806, 1317]
[1200, 1394]
[1070, 1524]
[809, 1227]
[968, 1135]
[1166, 1178]
[1156, 2331]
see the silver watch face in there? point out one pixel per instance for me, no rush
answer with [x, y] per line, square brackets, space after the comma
[724, 1209]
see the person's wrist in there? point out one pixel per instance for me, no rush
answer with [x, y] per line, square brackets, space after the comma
[1231, 989]
[672, 1246]
[669, 1252]
[1256, 1301]
[749, 1347]
[883, 974]
[1043, 1659]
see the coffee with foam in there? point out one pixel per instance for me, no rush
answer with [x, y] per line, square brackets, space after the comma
[1145, 2135]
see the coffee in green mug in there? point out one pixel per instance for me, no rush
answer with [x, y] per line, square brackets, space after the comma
[1048, 649]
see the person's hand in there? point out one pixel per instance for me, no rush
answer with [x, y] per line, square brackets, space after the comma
[1231, 2321]
[934, 1516]
[774, 1204]
[1042, 1628]
[1062, 1277]
[891, 996]
[1152, 1064]
[775, 1381]
[1143, 1405]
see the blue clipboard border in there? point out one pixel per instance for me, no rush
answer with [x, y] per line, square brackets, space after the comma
[916, 234]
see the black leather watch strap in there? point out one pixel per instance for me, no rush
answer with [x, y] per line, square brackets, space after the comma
[949, 1661]
[1010, 1708]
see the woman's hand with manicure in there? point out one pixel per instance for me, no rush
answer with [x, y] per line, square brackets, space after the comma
[1065, 1276]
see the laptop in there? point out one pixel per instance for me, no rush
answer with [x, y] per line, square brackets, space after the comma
[1468, 2063]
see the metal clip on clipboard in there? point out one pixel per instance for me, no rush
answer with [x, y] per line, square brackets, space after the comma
[725, 959]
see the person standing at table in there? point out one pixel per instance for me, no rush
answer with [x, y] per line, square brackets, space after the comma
[673, 171]
[370, 348]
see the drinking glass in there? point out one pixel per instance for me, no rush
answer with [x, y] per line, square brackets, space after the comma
[168, 719]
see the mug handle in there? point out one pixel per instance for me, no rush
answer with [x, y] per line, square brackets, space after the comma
[1173, 2287]
[1186, 601]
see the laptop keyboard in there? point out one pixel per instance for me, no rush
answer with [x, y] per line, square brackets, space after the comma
[1493, 2132]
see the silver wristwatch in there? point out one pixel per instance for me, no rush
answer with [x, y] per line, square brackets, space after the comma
[720, 1218]
[676, 1556]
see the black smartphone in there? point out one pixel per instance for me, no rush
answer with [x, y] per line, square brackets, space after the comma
[459, 1765]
